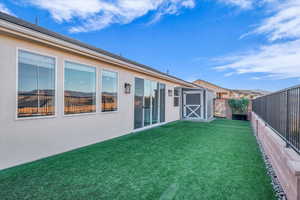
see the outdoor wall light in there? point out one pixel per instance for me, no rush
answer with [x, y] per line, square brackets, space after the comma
[127, 87]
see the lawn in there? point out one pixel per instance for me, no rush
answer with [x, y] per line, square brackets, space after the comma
[181, 160]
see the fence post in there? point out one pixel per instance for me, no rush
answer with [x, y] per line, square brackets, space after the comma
[287, 120]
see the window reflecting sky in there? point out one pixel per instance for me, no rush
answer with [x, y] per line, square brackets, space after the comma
[35, 72]
[109, 81]
[80, 78]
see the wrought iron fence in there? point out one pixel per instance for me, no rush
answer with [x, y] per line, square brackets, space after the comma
[281, 111]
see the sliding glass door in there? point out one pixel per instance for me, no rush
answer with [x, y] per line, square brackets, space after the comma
[149, 103]
[162, 101]
[155, 102]
[139, 103]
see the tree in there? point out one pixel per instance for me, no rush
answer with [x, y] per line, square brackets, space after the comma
[239, 106]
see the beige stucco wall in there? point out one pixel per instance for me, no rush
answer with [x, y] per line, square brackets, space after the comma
[285, 161]
[26, 140]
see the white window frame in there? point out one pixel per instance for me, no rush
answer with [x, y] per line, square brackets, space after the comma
[63, 90]
[18, 49]
[176, 96]
[100, 91]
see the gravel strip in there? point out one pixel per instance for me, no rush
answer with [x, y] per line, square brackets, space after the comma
[270, 171]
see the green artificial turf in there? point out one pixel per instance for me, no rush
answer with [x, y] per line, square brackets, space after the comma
[182, 160]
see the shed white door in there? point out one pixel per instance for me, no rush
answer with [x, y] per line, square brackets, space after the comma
[193, 105]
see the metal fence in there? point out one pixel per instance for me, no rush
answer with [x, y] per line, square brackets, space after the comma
[281, 111]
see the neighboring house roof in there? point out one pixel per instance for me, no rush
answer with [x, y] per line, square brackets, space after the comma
[199, 82]
[25, 24]
[252, 92]
[239, 92]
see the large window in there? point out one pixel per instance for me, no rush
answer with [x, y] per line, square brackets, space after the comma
[109, 91]
[36, 85]
[80, 88]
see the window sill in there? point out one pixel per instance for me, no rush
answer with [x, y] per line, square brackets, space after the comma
[35, 118]
[109, 112]
[80, 114]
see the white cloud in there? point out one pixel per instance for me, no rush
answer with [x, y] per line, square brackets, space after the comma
[67, 9]
[171, 9]
[281, 58]
[4, 9]
[277, 61]
[284, 23]
[98, 14]
[244, 4]
[189, 3]
[248, 4]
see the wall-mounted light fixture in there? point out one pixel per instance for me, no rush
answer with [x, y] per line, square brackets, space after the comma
[127, 87]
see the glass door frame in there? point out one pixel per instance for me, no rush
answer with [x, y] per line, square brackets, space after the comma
[152, 95]
[151, 83]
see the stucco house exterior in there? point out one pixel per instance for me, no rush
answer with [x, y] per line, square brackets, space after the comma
[60, 94]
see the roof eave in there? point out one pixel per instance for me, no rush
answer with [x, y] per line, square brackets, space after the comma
[22, 28]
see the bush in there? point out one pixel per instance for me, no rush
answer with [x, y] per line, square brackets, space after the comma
[239, 106]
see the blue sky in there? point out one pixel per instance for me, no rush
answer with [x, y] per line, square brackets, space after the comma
[239, 44]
